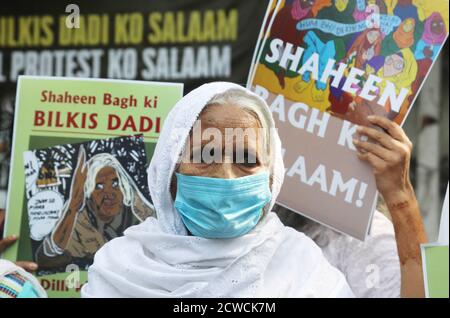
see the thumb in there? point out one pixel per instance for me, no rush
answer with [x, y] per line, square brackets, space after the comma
[28, 266]
[7, 242]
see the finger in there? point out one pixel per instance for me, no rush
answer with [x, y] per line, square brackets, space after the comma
[28, 266]
[84, 172]
[382, 138]
[392, 128]
[375, 162]
[83, 158]
[7, 242]
[376, 149]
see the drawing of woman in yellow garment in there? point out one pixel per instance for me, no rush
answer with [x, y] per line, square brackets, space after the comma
[401, 70]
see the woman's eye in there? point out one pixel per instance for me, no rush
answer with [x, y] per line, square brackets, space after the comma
[115, 184]
[208, 157]
[196, 156]
[99, 186]
[249, 160]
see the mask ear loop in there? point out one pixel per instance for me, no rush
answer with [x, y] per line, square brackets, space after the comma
[173, 179]
[266, 208]
[173, 183]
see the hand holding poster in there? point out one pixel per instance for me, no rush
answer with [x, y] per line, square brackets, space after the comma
[324, 67]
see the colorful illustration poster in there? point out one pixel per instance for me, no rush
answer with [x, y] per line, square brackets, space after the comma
[435, 270]
[63, 129]
[267, 21]
[323, 67]
[80, 196]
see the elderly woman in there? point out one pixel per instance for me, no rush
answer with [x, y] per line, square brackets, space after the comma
[214, 235]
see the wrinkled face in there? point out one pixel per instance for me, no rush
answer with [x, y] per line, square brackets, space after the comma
[372, 36]
[393, 65]
[305, 4]
[437, 26]
[106, 200]
[223, 154]
[341, 5]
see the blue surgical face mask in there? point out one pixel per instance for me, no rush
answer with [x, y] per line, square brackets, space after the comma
[221, 208]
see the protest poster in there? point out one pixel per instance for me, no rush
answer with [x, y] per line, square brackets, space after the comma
[323, 67]
[53, 116]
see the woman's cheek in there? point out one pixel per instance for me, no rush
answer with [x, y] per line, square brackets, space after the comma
[244, 170]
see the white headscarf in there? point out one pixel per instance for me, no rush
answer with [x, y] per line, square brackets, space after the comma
[158, 259]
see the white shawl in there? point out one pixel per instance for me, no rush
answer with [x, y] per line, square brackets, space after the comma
[158, 259]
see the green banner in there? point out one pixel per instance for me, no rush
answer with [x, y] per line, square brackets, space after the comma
[435, 268]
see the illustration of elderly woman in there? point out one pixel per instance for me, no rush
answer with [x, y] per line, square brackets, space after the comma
[401, 70]
[103, 202]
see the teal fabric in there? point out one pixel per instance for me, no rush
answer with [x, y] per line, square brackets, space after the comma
[221, 208]
[28, 291]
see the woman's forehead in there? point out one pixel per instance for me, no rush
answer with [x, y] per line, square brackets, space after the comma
[106, 173]
[229, 116]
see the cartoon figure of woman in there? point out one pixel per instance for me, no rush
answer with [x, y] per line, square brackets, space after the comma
[366, 46]
[401, 70]
[427, 48]
[433, 36]
[103, 202]
[403, 37]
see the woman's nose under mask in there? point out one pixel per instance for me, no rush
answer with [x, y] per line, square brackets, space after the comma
[221, 208]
